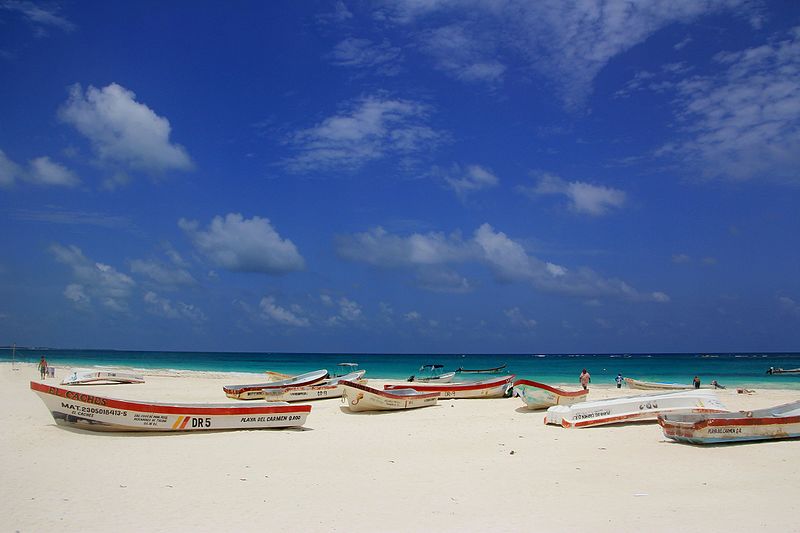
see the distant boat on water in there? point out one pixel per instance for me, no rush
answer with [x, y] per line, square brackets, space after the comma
[494, 370]
[431, 373]
[652, 385]
[777, 371]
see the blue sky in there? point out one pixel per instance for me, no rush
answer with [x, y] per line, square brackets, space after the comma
[408, 176]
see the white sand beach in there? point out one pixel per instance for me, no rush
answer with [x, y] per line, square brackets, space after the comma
[463, 465]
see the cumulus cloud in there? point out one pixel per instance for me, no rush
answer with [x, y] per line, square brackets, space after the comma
[244, 245]
[437, 279]
[271, 311]
[516, 317]
[382, 57]
[369, 129]
[160, 306]
[568, 43]
[94, 281]
[41, 171]
[584, 198]
[743, 122]
[471, 179]
[507, 259]
[123, 131]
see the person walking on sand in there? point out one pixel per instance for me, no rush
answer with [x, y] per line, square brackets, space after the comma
[585, 378]
[43, 367]
[618, 379]
[696, 382]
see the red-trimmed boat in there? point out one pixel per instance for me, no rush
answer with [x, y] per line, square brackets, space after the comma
[487, 388]
[780, 422]
[360, 397]
[99, 413]
[256, 391]
[540, 395]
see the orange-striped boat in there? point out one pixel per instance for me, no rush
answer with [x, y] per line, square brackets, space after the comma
[100, 413]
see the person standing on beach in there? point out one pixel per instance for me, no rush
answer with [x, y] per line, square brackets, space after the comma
[618, 379]
[43, 367]
[585, 378]
[696, 382]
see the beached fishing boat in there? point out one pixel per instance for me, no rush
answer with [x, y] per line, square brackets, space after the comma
[362, 398]
[633, 408]
[429, 373]
[331, 388]
[343, 369]
[100, 413]
[494, 370]
[539, 395]
[100, 377]
[778, 371]
[780, 422]
[653, 385]
[255, 391]
[487, 388]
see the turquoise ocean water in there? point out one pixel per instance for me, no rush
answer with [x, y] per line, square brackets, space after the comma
[729, 369]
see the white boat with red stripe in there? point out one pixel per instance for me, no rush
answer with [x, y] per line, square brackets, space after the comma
[331, 388]
[363, 398]
[255, 391]
[488, 388]
[633, 408]
[780, 422]
[100, 413]
[540, 395]
[100, 377]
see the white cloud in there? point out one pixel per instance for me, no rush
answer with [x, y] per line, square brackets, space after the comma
[568, 43]
[164, 307]
[349, 310]
[412, 316]
[9, 171]
[462, 55]
[744, 122]
[40, 17]
[680, 259]
[368, 129]
[584, 198]
[273, 312]
[437, 279]
[161, 273]
[123, 131]
[244, 245]
[508, 260]
[471, 179]
[516, 317]
[94, 280]
[43, 171]
[362, 53]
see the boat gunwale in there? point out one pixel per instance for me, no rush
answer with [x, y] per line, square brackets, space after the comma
[447, 387]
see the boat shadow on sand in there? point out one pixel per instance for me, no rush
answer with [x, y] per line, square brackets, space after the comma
[346, 410]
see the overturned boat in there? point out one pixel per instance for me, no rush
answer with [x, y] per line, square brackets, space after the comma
[487, 388]
[100, 377]
[654, 385]
[780, 422]
[633, 408]
[540, 395]
[100, 413]
[331, 388]
[363, 398]
[255, 391]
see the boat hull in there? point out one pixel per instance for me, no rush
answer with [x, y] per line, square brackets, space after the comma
[489, 388]
[359, 397]
[537, 395]
[495, 370]
[90, 377]
[650, 385]
[255, 391]
[633, 408]
[330, 389]
[97, 413]
[781, 422]
[447, 377]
